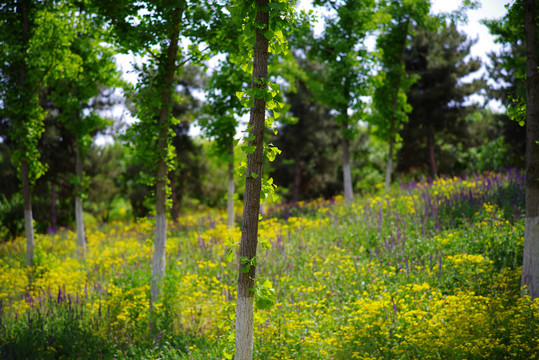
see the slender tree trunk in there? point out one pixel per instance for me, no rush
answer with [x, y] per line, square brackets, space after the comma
[231, 190]
[249, 233]
[297, 178]
[347, 172]
[54, 213]
[431, 149]
[79, 215]
[530, 263]
[28, 220]
[22, 8]
[159, 262]
[174, 212]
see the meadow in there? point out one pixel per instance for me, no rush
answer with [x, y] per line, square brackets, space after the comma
[430, 270]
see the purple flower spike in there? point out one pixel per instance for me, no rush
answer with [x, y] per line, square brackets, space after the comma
[59, 298]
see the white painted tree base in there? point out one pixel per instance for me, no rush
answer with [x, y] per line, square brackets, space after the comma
[29, 230]
[159, 246]
[79, 220]
[530, 262]
[244, 328]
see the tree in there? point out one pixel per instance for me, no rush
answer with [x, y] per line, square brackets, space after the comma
[222, 112]
[390, 107]
[346, 61]
[78, 97]
[438, 114]
[263, 23]
[35, 38]
[253, 186]
[154, 29]
[530, 263]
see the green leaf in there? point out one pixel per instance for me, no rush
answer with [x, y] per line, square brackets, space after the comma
[248, 149]
[239, 94]
[270, 104]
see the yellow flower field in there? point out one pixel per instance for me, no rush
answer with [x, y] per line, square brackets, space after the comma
[430, 271]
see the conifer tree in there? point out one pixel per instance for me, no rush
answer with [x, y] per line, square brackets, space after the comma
[438, 97]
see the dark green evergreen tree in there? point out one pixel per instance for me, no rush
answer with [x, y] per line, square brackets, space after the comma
[308, 168]
[432, 139]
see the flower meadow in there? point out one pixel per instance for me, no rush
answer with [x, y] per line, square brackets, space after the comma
[430, 270]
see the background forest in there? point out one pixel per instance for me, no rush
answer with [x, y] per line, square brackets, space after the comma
[409, 95]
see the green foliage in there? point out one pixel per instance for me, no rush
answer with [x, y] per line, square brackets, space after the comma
[36, 38]
[507, 69]
[390, 106]
[154, 29]
[78, 97]
[346, 60]
[264, 294]
[223, 108]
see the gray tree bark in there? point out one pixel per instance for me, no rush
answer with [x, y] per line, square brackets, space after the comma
[249, 233]
[231, 188]
[530, 263]
[347, 172]
[159, 252]
[28, 219]
[79, 216]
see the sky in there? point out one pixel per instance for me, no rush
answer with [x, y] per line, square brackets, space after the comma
[490, 9]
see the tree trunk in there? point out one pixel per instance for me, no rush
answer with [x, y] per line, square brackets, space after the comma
[230, 192]
[28, 220]
[431, 149]
[79, 216]
[174, 212]
[297, 179]
[54, 213]
[347, 172]
[24, 166]
[249, 234]
[530, 263]
[159, 263]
